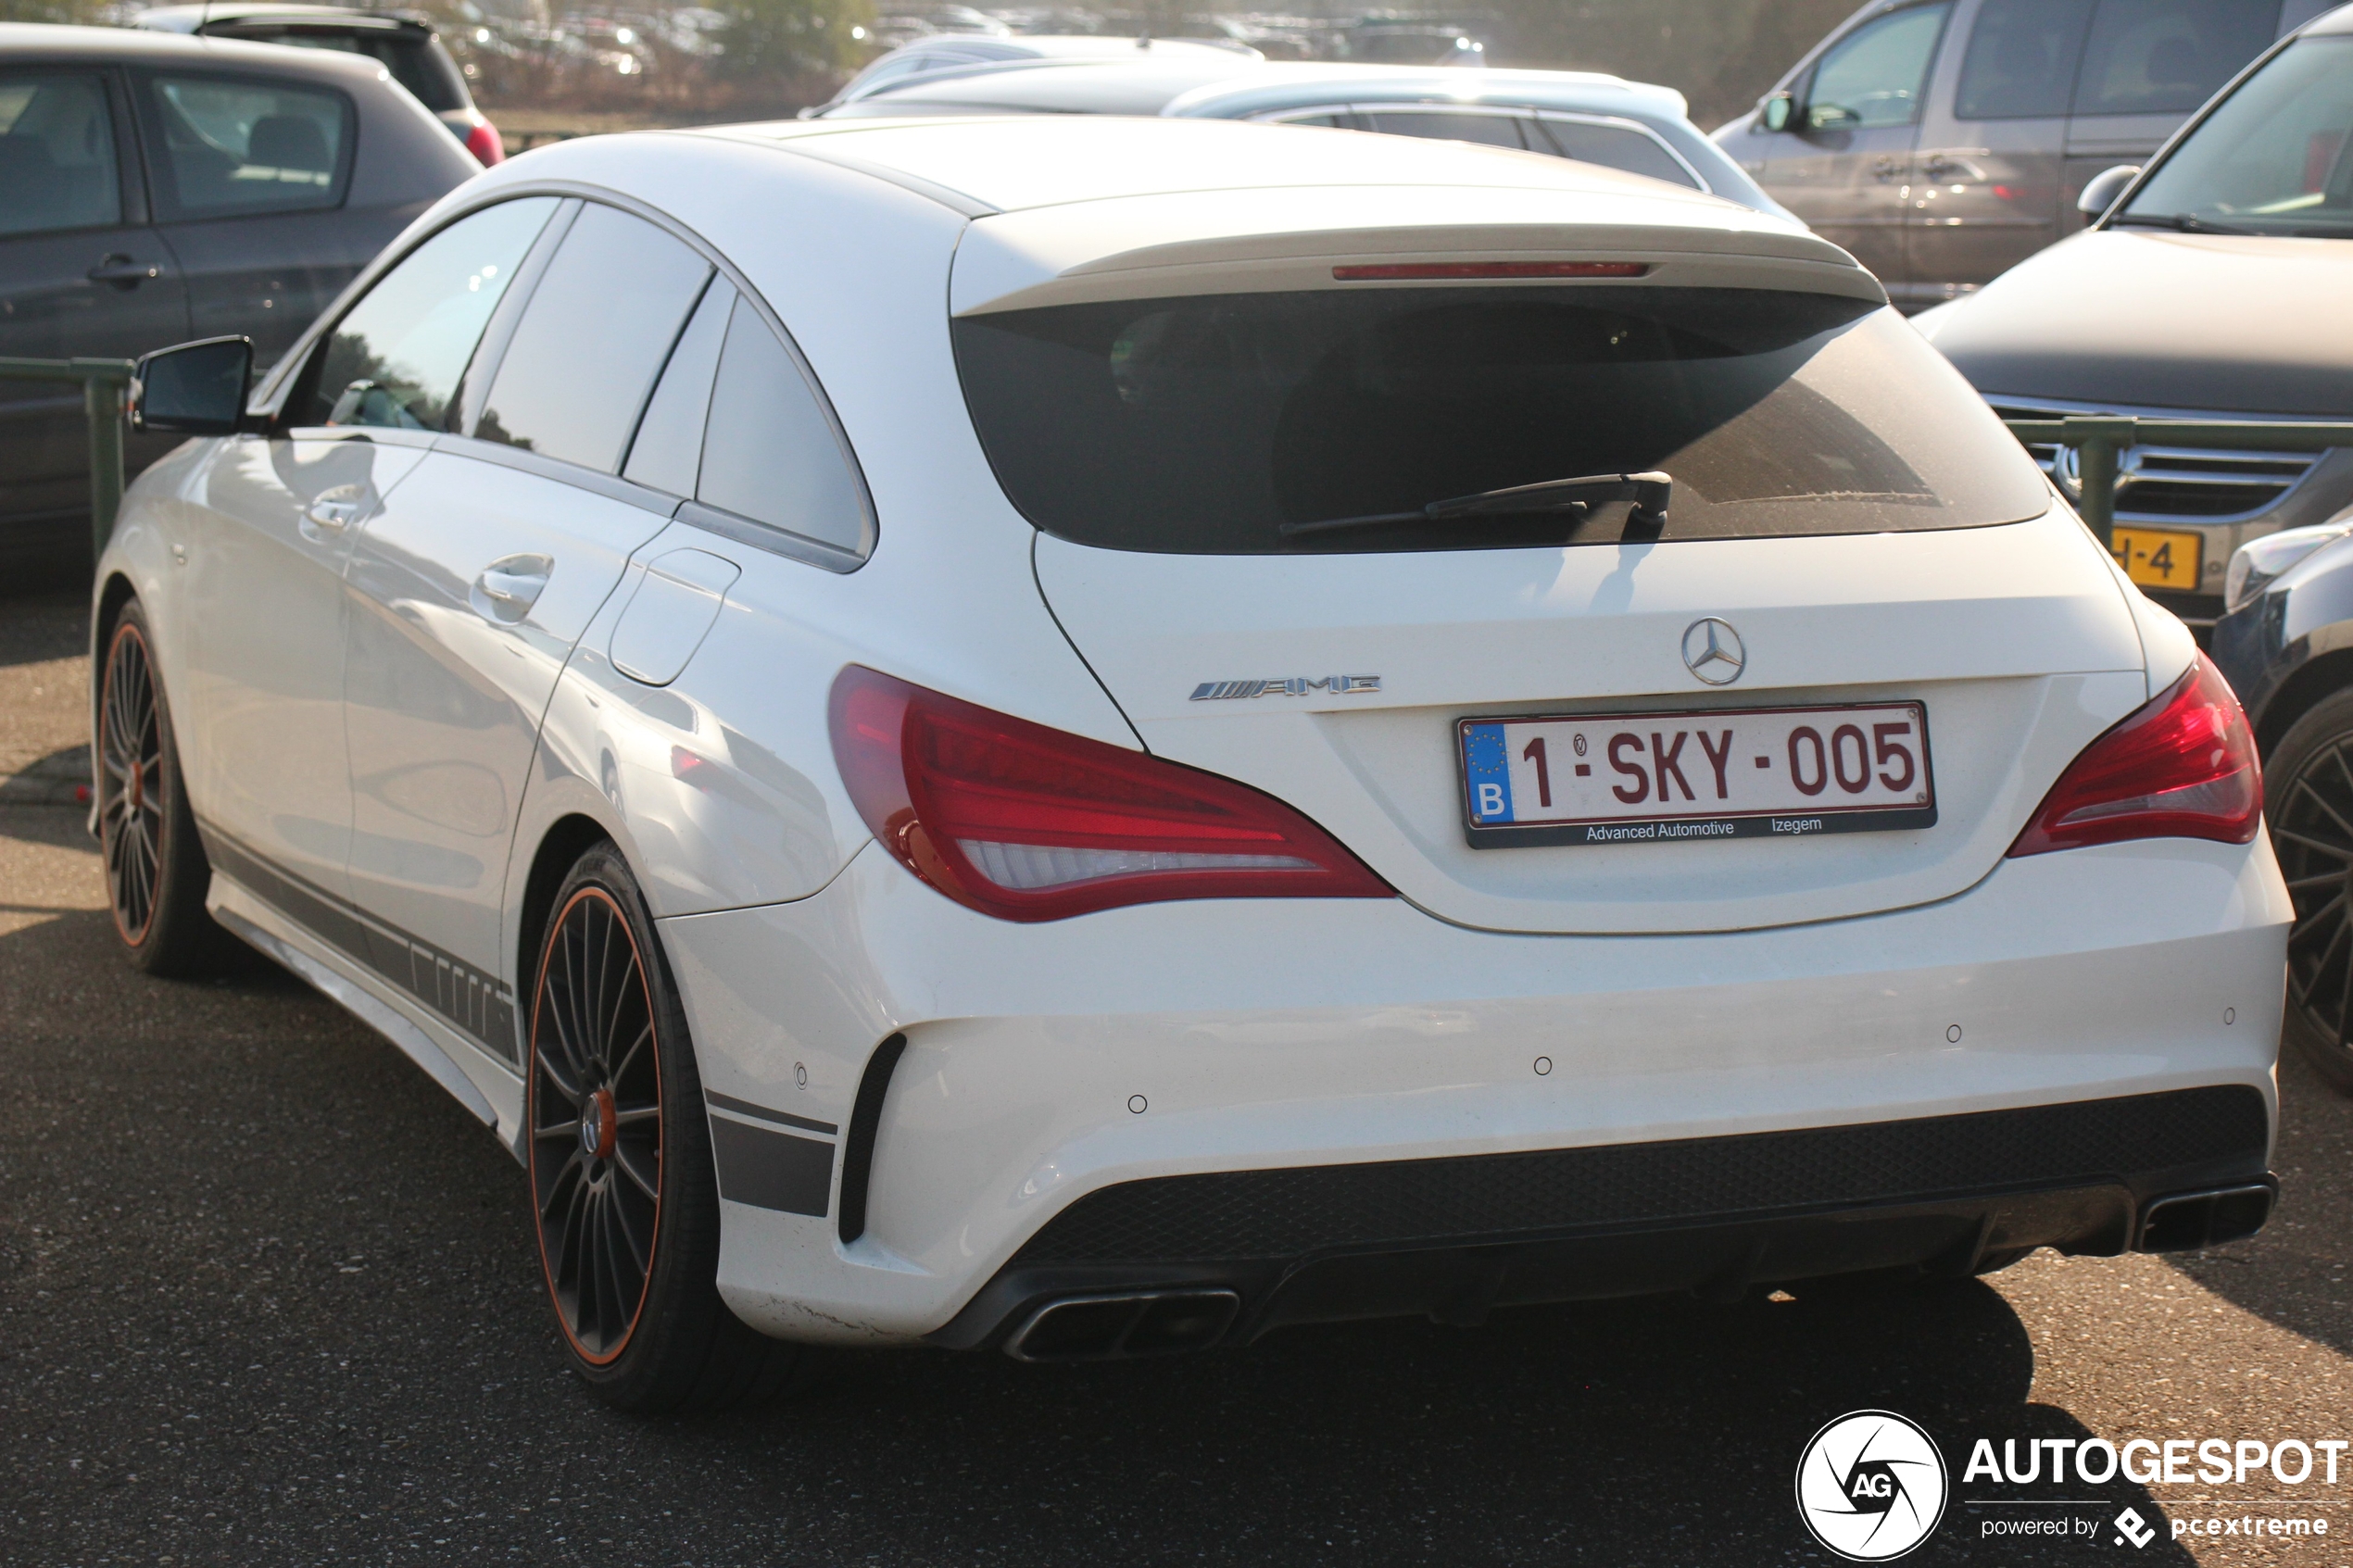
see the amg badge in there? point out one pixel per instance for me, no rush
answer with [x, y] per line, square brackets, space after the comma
[1297, 686]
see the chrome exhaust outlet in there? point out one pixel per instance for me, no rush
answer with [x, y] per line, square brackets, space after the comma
[2181, 1222]
[1141, 1323]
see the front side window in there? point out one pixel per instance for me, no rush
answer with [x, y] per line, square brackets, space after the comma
[1203, 425]
[599, 324]
[396, 358]
[1873, 75]
[57, 165]
[2022, 59]
[2275, 158]
[2167, 56]
[225, 148]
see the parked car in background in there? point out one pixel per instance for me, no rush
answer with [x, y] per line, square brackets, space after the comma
[1942, 142]
[931, 56]
[404, 41]
[2219, 286]
[155, 188]
[1094, 737]
[1597, 119]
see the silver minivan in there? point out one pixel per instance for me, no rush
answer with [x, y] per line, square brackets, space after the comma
[1941, 142]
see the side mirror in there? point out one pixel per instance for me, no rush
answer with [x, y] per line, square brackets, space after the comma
[1777, 111]
[194, 389]
[2102, 189]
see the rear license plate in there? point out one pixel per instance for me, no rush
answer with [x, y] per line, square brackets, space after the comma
[2161, 558]
[1631, 778]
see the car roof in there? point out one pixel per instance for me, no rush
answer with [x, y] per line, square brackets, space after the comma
[1051, 86]
[2329, 22]
[45, 41]
[1010, 163]
[1282, 84]
[1074, 46]
[188, 18]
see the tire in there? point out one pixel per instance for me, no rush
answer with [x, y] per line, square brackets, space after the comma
[156, 874]
[2307, 802]
[624, 1196]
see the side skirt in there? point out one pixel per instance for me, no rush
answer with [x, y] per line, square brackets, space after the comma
[478, 1081]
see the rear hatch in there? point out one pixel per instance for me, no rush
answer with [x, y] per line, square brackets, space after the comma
[1850, 534]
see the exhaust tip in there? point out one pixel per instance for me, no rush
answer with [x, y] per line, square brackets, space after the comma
[2184, 1221]
[1104, 1328]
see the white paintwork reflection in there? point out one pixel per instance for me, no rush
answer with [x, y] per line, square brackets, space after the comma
[442, 702]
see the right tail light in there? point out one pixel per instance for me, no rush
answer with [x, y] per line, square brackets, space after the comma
[2183, 766]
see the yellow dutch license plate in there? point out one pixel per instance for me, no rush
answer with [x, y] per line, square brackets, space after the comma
[2161, 558]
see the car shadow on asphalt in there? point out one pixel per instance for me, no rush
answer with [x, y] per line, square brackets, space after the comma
[2294, 1271]
[317, 1272]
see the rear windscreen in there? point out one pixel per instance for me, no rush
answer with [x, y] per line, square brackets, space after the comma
[1203, 425]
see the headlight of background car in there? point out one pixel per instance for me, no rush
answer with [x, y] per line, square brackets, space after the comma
[2258, 563]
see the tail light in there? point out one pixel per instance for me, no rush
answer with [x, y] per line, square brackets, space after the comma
[1029, 823]
[483, 141]
[2182, 767]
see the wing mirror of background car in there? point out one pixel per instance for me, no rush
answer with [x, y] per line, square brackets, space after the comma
[194, 389]
[1778, 111]
[2101, 191]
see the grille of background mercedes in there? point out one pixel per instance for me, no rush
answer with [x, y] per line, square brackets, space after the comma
[2175, 484]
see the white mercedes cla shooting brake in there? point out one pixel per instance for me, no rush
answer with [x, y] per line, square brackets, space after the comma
[1094, 738]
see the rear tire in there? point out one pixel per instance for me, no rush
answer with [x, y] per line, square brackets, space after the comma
[2307, 802]
[156, 874]
[624, 1196]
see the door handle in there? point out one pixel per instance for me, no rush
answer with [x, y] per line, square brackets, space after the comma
[506, 589]
[121, 271]
[334, 510]
[1939, 167]
[1888, 168]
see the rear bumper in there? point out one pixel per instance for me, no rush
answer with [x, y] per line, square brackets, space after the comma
[1453, 1238]
[1230, 1043]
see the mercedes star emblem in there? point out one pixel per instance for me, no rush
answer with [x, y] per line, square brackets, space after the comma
[1712, 651]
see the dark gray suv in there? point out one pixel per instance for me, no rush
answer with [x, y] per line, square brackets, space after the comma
[154, 189]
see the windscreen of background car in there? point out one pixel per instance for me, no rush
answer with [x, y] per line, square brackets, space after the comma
[2275, 158]
[396, 357]
[232, 148]
[1201, 425]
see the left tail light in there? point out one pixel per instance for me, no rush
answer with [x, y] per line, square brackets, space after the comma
[2183, 766]
[1030, 823]
[484, 142]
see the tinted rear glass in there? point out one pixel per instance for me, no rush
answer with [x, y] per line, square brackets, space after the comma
[1201, 425]
[2167, 56]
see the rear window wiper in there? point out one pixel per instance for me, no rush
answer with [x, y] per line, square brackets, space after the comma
[2181, 220]
[1571, 497]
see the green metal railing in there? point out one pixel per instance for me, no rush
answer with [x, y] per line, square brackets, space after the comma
[105, 383]
[2101, 439]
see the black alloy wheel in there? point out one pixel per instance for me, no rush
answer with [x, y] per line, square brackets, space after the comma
[2307, 790]
[156, 874]
[131, 798]
[597, 1132]
[624, 1196]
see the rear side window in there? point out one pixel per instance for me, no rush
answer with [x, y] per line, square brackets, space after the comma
[225, 148]
[1612, 146]
[769, 451]
[667, 453]
[1203, 425]
[57, 164]
[2022, 60]
[2167, 56]
[397, 357]
[599, 324]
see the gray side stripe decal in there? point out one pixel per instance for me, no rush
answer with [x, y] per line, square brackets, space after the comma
[772, 1169]
[477, 1005]
[744, 1107]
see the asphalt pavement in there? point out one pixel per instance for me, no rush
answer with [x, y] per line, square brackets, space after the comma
[267, 1295]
